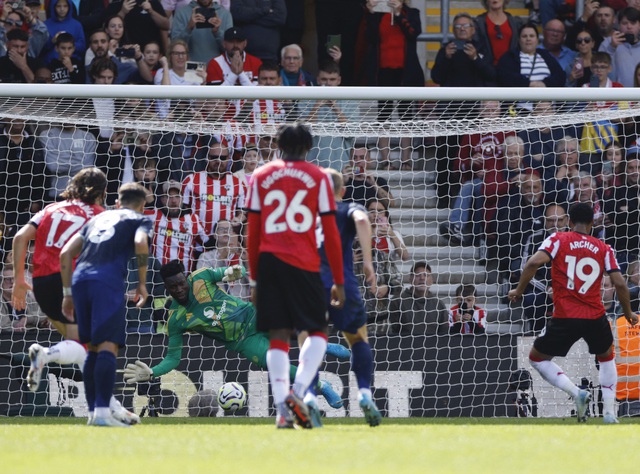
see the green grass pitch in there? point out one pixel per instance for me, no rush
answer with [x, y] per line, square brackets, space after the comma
[249, 445]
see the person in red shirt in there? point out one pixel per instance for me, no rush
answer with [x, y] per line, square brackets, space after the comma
[51, 228]
[578, 262]
[285, 197]
[235, 66]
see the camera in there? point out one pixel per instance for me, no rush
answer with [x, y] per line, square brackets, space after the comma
[125, 52]
[459, 44]
[357, 169]
[207, 13]
[465, 309]
[630, 38]
[17, 6]
[195, 66]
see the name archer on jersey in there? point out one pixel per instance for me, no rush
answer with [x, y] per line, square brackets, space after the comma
[303, 176]
[583, 244]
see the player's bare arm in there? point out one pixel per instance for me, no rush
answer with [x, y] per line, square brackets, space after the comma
[622, 290]
[363, 230]
[20, 285]
[536, 261]
[69, 252]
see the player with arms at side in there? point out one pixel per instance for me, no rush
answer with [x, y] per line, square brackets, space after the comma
[200, 306]
[578, 262]
[51, 228]
[285, 197]
[104, 247]
[351, 320]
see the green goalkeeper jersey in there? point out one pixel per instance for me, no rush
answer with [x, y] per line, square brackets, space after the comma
[211, 312]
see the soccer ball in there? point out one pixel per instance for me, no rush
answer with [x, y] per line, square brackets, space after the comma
[232, 397]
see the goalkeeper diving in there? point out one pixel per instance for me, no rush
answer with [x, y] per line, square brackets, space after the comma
[200, 306]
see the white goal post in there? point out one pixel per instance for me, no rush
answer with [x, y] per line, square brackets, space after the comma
[434, 367]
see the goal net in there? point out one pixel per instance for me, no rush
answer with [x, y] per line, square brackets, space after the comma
[461, 187]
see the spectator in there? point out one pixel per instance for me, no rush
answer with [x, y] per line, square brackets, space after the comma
[90, 13]
[250, 162]
[340, 18]
[151, 53]
[264, 111]
[579, 73]
[586, 190]
[234, 66]
[528, 65]
[140, 320]
[497, 30]
[292, 74]
[104, 71]
[387, 33]
[519, 215]
[623, 213]
[24, 20]
[224, 250]
[330, 152]
[65, 67]
[22, 178]
[17, 65]
[10, 319]
[143, 20]
[561, 178]
[145, 173]
[115, 158]
[554, 33]
[260, 22]
[173, 73]
[360, 185]
[267, 148]
[537, 300]
[385, 238]
[623, 46]
[170, 6]
[596, 136]
[99, 46]
[465, 317]
[43, 75]
[176, 231]
[62, 20]
[418, 311]
[603, 25]
[461, 62]
[67, 150]
[539, 143]
[215, 193]
[204, 35]
[612, 170]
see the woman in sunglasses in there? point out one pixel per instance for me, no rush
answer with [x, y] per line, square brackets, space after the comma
[23, 20]
[497, 30]
[579, 73]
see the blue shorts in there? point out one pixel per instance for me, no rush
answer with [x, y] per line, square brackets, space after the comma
[100, 313]
[352, 316]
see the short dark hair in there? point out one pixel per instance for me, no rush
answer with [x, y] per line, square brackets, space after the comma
[417, 265]
[18, 34]
[172, 268]
[132, 194]
[294, 141]
[269, 65]
[466, 290]
[65, 38]
[581, 213]
[103, 64]
[601, 57]
[98, 30]
[329, 66]
[525, 26]
[630, 13]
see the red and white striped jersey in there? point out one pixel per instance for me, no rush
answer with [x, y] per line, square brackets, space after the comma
[55, 225]
[175, 238]
[266, 111]
[219, 71]
[213, 199]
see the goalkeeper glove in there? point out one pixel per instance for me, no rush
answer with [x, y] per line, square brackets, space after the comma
[137, 372]
[232, 273]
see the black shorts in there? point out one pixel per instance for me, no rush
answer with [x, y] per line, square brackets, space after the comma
[288, 297]
[560, 334]
[48, 293]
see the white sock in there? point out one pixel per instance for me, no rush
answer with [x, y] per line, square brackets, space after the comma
[67, 352]
[278, 365]
[114, 404]
[310, 397]
[311, 356]
[608, 378]
[362, 392]
[552, 373]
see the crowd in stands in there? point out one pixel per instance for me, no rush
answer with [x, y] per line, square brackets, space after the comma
[506, 191]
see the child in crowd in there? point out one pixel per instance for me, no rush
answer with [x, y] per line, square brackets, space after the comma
[465, 317]
[66, 68]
